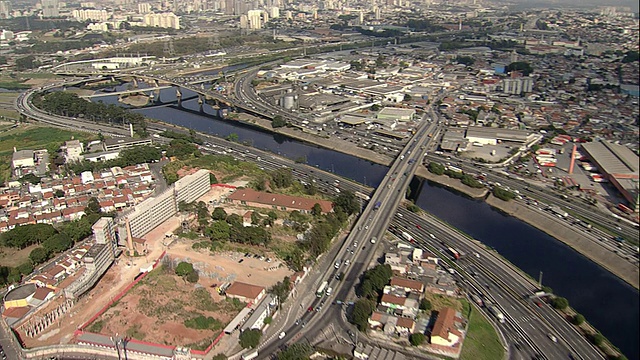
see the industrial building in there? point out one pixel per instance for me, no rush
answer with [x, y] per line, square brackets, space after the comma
[619, 165]
[250, 197]
[491, 136]
[124, 143]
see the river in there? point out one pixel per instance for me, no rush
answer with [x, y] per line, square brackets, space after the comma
[609, 304]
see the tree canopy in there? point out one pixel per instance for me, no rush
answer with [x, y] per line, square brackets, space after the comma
[250, 338]
[70, 104]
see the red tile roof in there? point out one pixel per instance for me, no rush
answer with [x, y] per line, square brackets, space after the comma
[444, 323]
[279, 200]
[245, 290]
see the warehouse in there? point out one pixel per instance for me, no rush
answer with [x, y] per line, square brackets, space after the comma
[491, 136]
[619, 165]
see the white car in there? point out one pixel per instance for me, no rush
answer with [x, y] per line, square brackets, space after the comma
[552, 337]
[282, 335]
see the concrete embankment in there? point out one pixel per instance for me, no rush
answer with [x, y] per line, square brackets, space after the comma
[574, 239]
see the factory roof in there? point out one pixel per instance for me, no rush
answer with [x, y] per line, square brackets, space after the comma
[613, 158]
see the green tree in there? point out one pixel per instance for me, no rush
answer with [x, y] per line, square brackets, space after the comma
[281, 290]
[407, 97]
[218, 214]
[218, 231]
[560, 303]
[233, 137]
[297, 351]
[597, 339]
[425, 304]
[59, 193]
[316, 210]
[436, 168]
[192, 277]
[25, 268]
[212, 179]
[278, 122]
[522, 66]
[219, 357]
[503, 194]
[184, 268]
[362, 310]
[93, 207]
[578, 319]
[38, 255]
[250, 338]
[347, 202]
[416, 339]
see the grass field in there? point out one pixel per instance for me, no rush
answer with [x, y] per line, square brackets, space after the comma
[32, 137]
[482, 341]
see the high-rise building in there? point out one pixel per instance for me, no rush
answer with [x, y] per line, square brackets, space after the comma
[255, 19]
[274, 12]
[163, 20]
[144, 8]
[229, 7]
[50, 8]
[5, 9]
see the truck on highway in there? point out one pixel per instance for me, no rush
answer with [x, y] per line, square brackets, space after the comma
[321, 289]
[407, 237]
[454, 253]
[497, 313]
[557, 210]
[476, 299]
[377, 205]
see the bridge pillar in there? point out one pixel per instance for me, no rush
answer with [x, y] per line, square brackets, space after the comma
[201, 102]
[179, 96]
[152, 97]
[135, 83]
[155, 82]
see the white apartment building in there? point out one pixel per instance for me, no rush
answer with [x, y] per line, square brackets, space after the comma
[163, 20]
[91, 14]
[144, 8]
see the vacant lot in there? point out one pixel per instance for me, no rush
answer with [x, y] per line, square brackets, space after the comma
[13, 257]
[163, 309]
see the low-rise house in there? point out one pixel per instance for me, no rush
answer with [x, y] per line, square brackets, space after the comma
[245, 292]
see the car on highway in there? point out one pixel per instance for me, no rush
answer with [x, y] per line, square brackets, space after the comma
[552, 337]
[282, 335]
[419, 227]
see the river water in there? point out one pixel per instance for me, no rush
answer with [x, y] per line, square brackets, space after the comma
[608, 303]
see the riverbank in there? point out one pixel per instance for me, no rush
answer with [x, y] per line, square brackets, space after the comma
[455, 184]
[335, 144]
[572, 238]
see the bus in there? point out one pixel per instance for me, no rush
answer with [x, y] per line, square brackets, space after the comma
[320, 291]
[362, 196]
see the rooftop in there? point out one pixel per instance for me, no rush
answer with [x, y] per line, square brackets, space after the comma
[613, 158]
[245, 290]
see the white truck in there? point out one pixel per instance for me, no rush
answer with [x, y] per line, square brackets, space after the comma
[497, 313]
[407, 236]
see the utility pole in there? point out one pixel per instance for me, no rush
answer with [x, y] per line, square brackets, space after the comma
[540, 280]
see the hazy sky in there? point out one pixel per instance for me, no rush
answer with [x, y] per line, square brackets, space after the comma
[633, 4]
